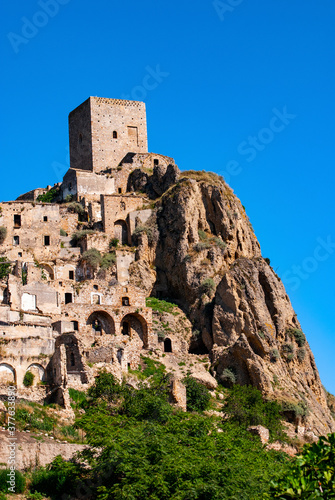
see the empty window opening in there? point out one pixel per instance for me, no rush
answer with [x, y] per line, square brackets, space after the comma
[125, 328]
[20, 254]
[119, 190]
[114, 134]
[95, 287]
[96, 298]
[125, 301]
[68, 298]
[71, 275]
[133, 134]
[46, 241]
[80, 139]
[45, 219]
[75, 325]
[72, 360]
[16, 241]
[167, 345]
[17, 220]
[129, 366]
[156, 162]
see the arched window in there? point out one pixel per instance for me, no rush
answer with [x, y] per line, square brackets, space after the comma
[114, 134]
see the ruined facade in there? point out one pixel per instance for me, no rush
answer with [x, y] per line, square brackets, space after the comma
[60, 316]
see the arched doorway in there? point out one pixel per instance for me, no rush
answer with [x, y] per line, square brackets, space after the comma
[102, 323]
[121, 231]
[134, 324]
[38, 372]
[7, 374]
[47, 272]
[167, 345]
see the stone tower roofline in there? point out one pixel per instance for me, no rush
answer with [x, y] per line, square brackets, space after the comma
[107, 100]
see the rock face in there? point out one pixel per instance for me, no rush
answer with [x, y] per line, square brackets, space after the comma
[208, 259]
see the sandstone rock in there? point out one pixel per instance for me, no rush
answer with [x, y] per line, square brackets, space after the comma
[262, 432]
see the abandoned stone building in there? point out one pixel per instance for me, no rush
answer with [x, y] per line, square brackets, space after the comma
[59, 316]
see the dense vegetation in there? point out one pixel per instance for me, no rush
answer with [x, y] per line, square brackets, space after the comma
[141, 447]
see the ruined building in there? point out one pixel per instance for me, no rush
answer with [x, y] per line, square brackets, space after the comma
[80, 259]
[58, 314]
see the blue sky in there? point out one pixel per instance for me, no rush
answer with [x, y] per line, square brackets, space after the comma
[242, 88]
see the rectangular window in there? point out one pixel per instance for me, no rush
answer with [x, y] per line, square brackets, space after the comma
[68, 298]
[16, 241]
[156, 162]
[17, 220]
[133, 134]
[45, 219]
[46, 241]
[71, 275]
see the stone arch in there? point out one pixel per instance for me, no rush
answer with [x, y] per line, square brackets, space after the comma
[38, 371]
[101, 322]
[48, 271]
[167, 345]
[133, 324]
[7, 374]
[121, 231]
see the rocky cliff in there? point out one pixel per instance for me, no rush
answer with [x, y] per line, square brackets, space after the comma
[199, 249]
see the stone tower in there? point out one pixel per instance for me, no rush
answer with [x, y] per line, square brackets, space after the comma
[102, 131]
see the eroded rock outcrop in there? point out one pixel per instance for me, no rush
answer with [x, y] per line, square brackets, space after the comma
[207, 258]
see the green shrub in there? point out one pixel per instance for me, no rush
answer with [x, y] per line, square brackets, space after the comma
[245, 405]
[312, 473]
[28, 379]
[295, 408]
[202, 235]
[3, 234]
[228, 377]
[299, 336]
[287, 348]
[20, 482]
[208, 286]
[50, 196]
[56, 479]
[197, 395]
[62, 232]
[290, 356]
[219, 243]
[68, 198]
[76, 208]
[160, 305]
[274, 355]
[5, 267]
[113, 243]
[92, 257]
[108, 260]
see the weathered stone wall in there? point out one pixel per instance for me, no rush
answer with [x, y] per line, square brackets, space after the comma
[79, 184]
[102, 131]
[115, 211]
[28, 225]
